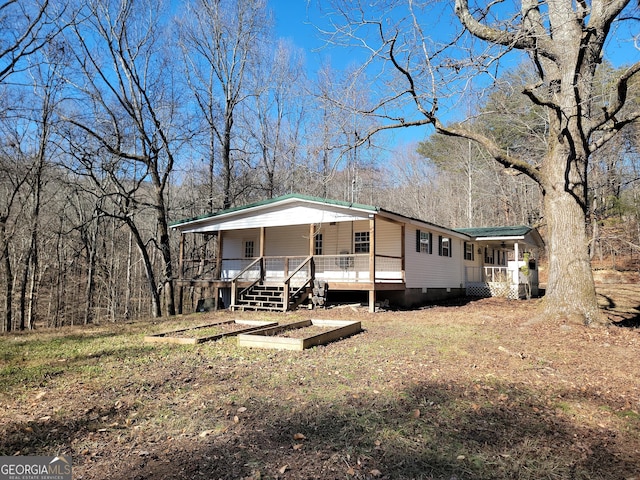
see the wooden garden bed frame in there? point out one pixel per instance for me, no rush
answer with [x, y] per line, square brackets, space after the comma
[268, 337]
[171, 337]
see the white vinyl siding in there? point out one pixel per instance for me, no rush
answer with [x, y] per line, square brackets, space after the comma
[233, 242]
[388, 238]
[287, 241]
[337, 238]
[432, 271]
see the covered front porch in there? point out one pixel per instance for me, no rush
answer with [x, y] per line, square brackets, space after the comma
[212, 263]
[507, 263]
[508, 282]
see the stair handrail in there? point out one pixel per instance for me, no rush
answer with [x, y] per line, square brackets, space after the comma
[234, 280]
[250, 286]
[287, 281]
[302, 264]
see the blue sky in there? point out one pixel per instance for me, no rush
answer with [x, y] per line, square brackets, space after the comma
[296, 20]
[293, 21]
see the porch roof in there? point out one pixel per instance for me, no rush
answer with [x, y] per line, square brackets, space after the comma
[289, 209]
[513, 233]
[304, 208]
[300, 209]
[271, 201]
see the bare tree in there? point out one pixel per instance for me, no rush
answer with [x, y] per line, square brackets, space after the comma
[13, 176]
[125, 104]
[25, 27]
[565, 42]
[219, 41]
[277, 113]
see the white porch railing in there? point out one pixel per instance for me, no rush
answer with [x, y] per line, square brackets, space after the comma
[491, 281]
[343, 268]
[338, 268]
[231, 267]
[490, 275]
[389, 269]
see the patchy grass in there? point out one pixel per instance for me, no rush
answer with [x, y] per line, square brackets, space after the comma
[462, 391]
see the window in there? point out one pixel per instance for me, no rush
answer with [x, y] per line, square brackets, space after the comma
[248, 249]
[317, 250]
[423, 242]
[488, 255]
[361, 242]
[468, 251]
[444, 244]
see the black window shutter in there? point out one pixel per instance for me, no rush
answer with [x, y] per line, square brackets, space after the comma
[464, 247]
[418, 241]
[451, 247]
[430, 242]
[440, 245]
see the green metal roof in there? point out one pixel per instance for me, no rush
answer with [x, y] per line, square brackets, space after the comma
[495, 232]
[515, 231]
[292, 196]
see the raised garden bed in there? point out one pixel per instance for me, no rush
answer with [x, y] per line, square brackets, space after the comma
[299, 335]
[209, 332]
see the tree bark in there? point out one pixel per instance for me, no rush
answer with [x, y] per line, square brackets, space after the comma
[91, 269]
[8, 276]
[156, 309]
[570, 289]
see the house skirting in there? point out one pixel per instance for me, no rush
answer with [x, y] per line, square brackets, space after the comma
[417, 297]
[499, 289]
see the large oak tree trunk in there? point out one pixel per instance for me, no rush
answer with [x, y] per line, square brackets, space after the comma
[570, 288]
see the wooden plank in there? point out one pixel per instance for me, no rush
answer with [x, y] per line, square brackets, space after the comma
[351, 328]
[268, 337]
[170, 337]
[272, 331]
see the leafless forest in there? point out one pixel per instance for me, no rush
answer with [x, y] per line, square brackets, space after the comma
[118, 118]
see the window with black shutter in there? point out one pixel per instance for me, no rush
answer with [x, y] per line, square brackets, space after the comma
[423, 241]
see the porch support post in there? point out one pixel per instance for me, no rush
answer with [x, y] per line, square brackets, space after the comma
[516, 274]
[263, 235]
[218, 273]
[402, 253]
[312, 238]
[181, 270]
[372, 263]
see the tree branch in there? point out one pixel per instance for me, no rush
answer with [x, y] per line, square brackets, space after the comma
[621, 90]
[524, 40]
[498, 154]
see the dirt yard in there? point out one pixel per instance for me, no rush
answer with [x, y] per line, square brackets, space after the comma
[465, 391]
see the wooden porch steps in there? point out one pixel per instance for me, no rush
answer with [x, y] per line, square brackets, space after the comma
[262, 296]
[267, 297]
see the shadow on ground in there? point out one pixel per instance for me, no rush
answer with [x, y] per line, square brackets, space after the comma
[624, 310]
[432, 431]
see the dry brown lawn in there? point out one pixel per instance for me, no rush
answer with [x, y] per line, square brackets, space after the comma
[463, 391]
